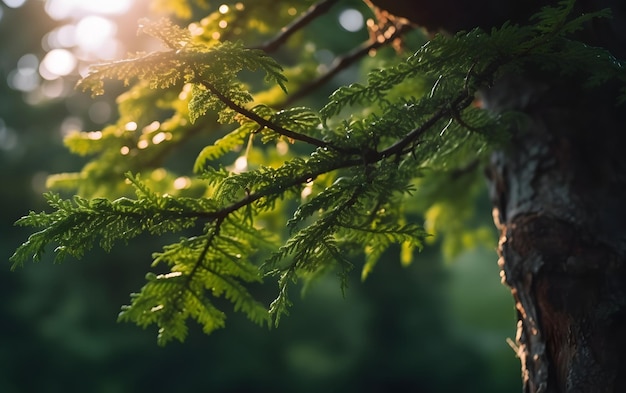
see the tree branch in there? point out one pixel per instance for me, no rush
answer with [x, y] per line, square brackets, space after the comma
[306, 177]
[343, 62]
[462, 101]
[268, 124]
[313, 12]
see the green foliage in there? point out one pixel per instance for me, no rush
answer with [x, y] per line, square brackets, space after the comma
[78, 223]
[347, 182]
[214, 264]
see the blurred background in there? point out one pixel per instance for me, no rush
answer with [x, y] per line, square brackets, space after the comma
[439, 325]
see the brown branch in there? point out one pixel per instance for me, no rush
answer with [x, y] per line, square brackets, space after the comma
[313, 12]
[268, 124]
[461, 102]
[343, 62]
[464, 170]
[220, 215]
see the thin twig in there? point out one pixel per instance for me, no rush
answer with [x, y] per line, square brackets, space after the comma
[266, 123]
[468, 168]
[341, 63]
[198, 263]
[461, 102]
[221, 214]
[313, 12]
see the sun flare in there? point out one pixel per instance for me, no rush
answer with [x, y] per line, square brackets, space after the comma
[90, 34]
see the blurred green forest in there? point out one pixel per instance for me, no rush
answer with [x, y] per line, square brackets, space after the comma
[434, 326]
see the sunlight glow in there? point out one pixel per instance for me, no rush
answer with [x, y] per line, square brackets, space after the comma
[94, 33]
[61, 9]
[88, 33]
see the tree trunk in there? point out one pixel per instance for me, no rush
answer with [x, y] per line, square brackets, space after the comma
[559, 193]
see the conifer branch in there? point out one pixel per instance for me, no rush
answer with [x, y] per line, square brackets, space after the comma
[268, 124]
[311, 14]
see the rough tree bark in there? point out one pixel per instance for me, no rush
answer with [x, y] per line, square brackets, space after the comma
[559, 193]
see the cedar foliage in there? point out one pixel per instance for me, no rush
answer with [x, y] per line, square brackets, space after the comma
[350, 170]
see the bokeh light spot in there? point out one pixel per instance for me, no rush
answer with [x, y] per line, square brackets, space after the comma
[152, 127]
[158, 174]
[158, 138]
[182, 182]
[57, 62]
[351, 20]
[25, 77]
[130, 126]
[71, 124]
[19, 81]
[63, 37]
[94, 135]
[28, 64]
[282, 147]
[241, 164]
